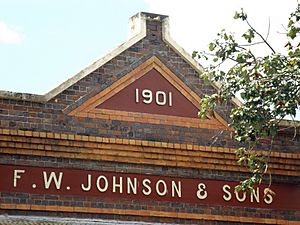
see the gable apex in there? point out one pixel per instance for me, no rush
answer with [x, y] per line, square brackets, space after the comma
[138, 31]
[137, 22]
[150, 93]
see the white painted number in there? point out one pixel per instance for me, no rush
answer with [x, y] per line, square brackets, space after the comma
[161, 98]
[147, 95]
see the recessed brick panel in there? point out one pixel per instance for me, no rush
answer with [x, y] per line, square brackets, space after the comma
[171, 101]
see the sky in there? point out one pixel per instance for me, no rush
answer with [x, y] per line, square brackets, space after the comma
[45, 42]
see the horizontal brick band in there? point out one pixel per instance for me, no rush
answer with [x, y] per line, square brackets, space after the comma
[146, 213]
[150, 118]
[135, 151]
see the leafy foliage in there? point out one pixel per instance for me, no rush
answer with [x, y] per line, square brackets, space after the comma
[268, 86]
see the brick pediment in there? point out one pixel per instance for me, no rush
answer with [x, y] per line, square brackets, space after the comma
[150, 93]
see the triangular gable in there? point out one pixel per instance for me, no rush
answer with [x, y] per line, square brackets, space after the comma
[150, 93]
[137, 25]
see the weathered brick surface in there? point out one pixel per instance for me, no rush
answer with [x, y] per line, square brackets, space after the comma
[49, 122]
[123, 204]
[43, 161]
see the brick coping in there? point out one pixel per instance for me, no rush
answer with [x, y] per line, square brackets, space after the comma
[135, 151]
[135, 142]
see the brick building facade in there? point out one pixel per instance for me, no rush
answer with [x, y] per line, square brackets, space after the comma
[121, 141]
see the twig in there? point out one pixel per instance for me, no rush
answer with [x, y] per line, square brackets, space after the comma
[251, 44]
[269, 154]
[241, 47]
[270, 176]
[269, 24]
[284, 28]
[264, 40]
[295, 129]
[216, 137]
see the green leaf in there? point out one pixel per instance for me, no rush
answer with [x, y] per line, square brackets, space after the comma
[292, 32]
[248, 35]
[236, 15]
[194, 54]
[211, 46]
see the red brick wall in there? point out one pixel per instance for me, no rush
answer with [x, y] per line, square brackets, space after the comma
[45, 135]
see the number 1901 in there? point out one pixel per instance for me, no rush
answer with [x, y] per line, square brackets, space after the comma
[159, 97]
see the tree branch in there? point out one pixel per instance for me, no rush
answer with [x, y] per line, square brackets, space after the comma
[264, 40]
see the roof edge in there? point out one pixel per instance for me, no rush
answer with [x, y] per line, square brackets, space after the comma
[139, 35]
[139, 21]
[188, 58]
[22, 96]
[137, 30]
